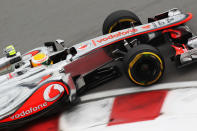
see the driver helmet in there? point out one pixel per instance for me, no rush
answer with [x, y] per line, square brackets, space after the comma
[40, 59]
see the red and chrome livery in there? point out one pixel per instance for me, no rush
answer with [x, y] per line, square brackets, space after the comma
[27, 92]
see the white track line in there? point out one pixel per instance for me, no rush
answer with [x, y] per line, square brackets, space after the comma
[130, 90]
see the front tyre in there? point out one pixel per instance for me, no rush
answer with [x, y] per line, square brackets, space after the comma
[144, 65]
[119, 20]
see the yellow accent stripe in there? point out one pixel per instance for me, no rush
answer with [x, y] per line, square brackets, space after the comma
[122, 20]
[137, 58]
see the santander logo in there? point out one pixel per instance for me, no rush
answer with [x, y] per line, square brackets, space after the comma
[53, 92]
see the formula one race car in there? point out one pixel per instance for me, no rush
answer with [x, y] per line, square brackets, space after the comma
[42, 79]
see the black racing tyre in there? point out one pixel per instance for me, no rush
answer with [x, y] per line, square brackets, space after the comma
[144, 65]
[120, 20]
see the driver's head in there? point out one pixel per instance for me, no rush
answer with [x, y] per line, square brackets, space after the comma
[40, 59]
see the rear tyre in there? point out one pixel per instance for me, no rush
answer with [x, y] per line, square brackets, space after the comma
[144, 65]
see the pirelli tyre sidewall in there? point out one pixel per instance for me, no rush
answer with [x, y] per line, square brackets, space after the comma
[144, 65]
[120, 17]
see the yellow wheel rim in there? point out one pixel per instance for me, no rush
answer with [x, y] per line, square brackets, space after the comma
[137, 57]
[120, 21]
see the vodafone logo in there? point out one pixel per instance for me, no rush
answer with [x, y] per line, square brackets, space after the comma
[53, 92]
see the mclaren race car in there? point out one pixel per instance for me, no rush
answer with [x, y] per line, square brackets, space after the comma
[35, 83]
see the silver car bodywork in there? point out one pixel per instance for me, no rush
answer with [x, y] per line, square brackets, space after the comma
[15, 90]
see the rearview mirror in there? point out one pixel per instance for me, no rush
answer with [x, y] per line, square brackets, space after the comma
[60, 42]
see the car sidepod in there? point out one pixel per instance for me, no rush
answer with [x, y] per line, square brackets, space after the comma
[45, 100]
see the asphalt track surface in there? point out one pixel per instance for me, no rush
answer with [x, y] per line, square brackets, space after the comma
[29, 23]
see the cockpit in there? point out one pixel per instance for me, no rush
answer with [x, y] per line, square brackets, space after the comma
[63, 54]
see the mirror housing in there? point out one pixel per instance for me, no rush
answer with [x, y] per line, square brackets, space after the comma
[60, 42]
